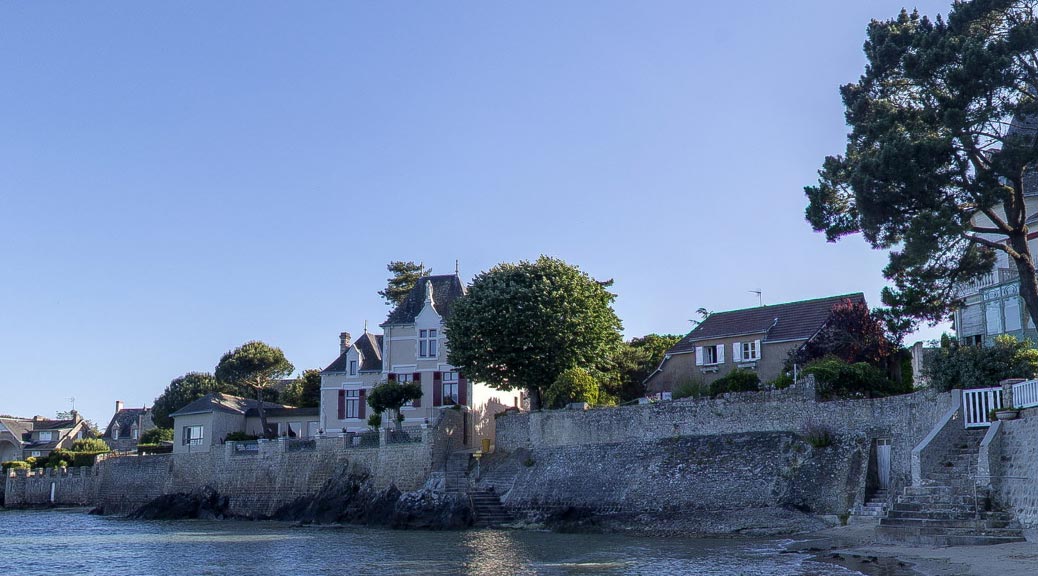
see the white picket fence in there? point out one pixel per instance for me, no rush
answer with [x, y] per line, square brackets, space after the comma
[1025, 394]
[977, 403]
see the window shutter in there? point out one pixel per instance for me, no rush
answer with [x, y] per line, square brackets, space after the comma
[342, 404]
[737, 352]
[418, 380]
[463, 390]
[437, 389]
[391, 377]
[699, 355]
[362, 406]
[720, 353]
[757, 350]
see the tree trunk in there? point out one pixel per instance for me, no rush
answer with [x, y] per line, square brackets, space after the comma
[1028, 282]
[535, 398]
[262, 413]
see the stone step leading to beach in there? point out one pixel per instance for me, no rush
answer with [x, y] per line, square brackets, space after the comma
[948, 509]
[489, 513]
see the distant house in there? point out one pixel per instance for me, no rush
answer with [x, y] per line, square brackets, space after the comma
[126, 426]
[758, 339]
[206, 422]
[21, 438]
[413, 349]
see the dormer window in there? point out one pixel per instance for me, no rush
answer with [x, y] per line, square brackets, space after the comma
[133, 432]
[115, 432]
[46, 436]
[353, 367]
[427, 343]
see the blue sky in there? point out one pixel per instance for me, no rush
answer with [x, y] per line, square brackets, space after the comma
[177, 178]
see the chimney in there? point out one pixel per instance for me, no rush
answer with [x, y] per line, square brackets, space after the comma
[75, 416]
[118, 406]
[344, 342]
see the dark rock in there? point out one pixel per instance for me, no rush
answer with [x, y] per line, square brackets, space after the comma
[206, 504]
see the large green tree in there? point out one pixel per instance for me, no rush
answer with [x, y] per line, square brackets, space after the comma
[180, 392]
[303, 392]
[942, 140]
[254, 367]
[404, 276]
[521, 325]
[633, 362]
[391, 396]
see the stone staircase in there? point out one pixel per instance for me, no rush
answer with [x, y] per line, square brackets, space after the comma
[948, 509]
[876, 506]
[488, 509]
[455, 477]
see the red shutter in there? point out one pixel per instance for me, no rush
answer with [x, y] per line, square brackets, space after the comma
[362, 406]
[418, 380]
[342, 404]
[437, 389]
[391, 377]
[463, 390]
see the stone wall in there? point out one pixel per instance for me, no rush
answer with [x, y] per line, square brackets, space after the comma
[905, 420]
[72, 487]
[1013, 466]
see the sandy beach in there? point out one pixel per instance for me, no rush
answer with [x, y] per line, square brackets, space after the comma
[857, 548]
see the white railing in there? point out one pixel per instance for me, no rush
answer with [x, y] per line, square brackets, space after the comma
[977, 403]
[1025, 394]
[996, 276]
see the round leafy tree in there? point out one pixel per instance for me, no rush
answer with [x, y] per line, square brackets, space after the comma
[255, 367]
[179, 393]
[573, 385]
[392, 396]
[521, 325]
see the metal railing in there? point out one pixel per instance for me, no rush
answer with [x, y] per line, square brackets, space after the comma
[976, 404]
[300, 445]
[406, 435]
[1025, 394]
[360, 440]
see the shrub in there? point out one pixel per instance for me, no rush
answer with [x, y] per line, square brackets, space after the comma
[838, 379]
[738, 380]
[573, 385]
[157, 436]
[818, 436]
[86, 458]
[35, 462]
[782, 382]
[954, 366]
[90, 445]
[14, 465]
[240, 437]
[60, 459]
[375, 420]
[692, 387]
[143, 449]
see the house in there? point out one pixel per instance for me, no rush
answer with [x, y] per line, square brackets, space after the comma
[206, 422]
[345, 382]
[126, 426]
[758, 339]
[21, 438]
[413, 348]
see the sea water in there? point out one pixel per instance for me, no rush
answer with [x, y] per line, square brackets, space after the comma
[73, 542]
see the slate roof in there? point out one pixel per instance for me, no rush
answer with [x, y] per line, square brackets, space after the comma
[215, 402]
[20, 428]
[447, 288]
[370, 347]
[126, 418]
[777, 322]
[53, 424]
[286, 411]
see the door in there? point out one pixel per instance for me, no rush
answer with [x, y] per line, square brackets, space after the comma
[883, 463]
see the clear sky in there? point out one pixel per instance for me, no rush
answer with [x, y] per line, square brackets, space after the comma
[177, 178]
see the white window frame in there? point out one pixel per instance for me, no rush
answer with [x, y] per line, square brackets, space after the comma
[427, 343]
[46, 436]
[36, 454]
[353, 403]
[750, 351]
[353, 367]
[189, 438]
[133, 432]
[450, 382]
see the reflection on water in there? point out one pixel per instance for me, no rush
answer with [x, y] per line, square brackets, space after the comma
[60, 542]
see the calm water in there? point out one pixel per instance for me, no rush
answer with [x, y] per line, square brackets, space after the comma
[72, 542]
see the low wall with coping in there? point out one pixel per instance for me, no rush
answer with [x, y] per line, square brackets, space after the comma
[50, 486]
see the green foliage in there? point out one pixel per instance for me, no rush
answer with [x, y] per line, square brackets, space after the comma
[392, 396]
[738, 380]
[303, 392]
[631, 364]
[838, 379]
[14, 465]
[404, 276]
[852, 334]
[179, 393]
[573, 385]
[375, 420]
[980, 366]
[521, 325]
[84, 458]
[240, 437]
[35, 462]
[818, 435]
[253, 366]
[933, 170]
[691, 387]
[157, 436]
[782, 381]
[61, 458]
[90, 445]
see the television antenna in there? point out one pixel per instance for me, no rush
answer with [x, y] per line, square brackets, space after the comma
[760, 296]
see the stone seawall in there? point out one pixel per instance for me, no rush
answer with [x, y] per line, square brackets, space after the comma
[51, 486]
[904, 420]
[1014, 467]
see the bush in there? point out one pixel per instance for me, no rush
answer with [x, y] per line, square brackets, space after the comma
[90, 445]
[157, 436]
[738, 380]
[143, 449]
[60, 459]
[953, 366]
[14, 465]
[35, 462]
[86, 458]
[692, 387]
[782, 382]
[375, 420]
[573, 385]
[818, 436]
[240, 437]
[838, 379]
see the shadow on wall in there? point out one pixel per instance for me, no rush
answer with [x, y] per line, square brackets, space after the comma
[483, 420]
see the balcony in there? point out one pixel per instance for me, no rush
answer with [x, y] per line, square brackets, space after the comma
[993, 278]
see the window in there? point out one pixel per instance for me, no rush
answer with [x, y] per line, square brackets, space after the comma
[353, 403]
[192, 435]
[353, 367]
[46, 436]
[427, 343]
[710, 355]
[290, 429]
[115, 431]
[36, 453]
[450, 387]
[746, 351]
[133, 432]
[404, 378]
